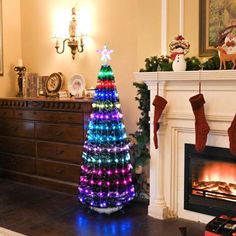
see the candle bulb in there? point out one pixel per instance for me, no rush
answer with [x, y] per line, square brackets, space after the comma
[20, 63]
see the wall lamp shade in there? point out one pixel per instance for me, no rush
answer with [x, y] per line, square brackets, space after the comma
[75, 42]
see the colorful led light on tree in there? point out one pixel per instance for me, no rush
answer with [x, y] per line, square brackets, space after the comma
[106, 181]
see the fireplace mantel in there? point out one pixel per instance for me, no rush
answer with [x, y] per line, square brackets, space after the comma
[203, 75]
[177, 128]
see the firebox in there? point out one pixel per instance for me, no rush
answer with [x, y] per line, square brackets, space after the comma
[210, 181]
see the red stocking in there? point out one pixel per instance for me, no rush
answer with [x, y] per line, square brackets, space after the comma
[201, 126]
[232, 136]
[159, 103]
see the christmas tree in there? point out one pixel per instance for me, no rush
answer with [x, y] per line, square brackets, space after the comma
[106, 181]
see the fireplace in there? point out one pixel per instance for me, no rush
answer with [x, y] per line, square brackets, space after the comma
[210, 181]
[177, 127]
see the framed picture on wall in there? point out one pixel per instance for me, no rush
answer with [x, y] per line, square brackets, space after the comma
[214, 17]
[1, 38]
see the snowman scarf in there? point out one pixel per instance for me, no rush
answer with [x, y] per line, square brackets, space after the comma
[174, 54]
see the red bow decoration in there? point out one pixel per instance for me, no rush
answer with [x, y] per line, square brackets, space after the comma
[179, 37]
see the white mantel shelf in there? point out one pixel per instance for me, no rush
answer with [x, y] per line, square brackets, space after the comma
[177, 127]
[203, 75]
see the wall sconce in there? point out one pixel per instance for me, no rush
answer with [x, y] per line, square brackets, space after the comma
[74, 42]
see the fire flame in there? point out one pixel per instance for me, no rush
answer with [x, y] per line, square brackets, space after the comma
[218, 177]
[219, 171]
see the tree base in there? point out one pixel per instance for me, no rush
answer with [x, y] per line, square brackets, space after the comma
[108, 211]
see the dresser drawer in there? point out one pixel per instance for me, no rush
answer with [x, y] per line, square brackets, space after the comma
[60, 133]
[50, 116]
[17, 163]
[17, 128]
[17, 145]
[6, 113]
[61, 171]
[60, 151]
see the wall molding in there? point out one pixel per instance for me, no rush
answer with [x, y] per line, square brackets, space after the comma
[189, 116]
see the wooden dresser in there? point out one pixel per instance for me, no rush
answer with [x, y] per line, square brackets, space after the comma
[41, 141]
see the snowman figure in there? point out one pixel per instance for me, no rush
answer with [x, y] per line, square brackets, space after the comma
[179, 47]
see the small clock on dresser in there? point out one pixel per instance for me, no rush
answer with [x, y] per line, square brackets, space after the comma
[53, 84]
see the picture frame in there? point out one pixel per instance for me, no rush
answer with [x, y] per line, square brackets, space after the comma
[53, 84]
[1, 41]
[214, 17]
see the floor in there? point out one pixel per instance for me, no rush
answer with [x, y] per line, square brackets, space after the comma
[37, 212]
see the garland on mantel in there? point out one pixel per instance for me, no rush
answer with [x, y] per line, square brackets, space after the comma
[163, 63]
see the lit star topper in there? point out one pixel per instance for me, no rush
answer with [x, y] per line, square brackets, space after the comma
[105, 54]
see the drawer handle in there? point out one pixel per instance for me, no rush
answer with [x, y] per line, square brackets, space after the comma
[58, 133]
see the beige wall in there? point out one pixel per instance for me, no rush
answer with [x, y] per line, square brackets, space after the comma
[112, 22]
[149, 30]
[132, 28]
[11, 46]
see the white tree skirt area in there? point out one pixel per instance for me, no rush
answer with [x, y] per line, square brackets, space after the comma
[105, 210]
[6, 232]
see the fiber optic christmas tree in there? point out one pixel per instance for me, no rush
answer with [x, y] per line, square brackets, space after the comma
[106, 182]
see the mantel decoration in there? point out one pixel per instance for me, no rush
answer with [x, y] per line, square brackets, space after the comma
[106, 180]
[179, 47]
[74, 41]
[227, 52]
[20, 70]
[163, 63]
[216, 20]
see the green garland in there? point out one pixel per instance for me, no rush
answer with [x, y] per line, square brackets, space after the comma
[163, 63]
[139, 141]
[139, 152]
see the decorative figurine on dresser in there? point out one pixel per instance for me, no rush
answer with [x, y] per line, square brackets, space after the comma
[41, 141]
[179, 47]
[20, 69]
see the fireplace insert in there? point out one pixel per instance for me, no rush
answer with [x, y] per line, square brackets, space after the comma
[210, 181]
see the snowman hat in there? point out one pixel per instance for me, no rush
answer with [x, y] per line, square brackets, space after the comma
[179, 42]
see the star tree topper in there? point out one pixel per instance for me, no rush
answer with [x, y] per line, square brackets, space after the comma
[105, 54]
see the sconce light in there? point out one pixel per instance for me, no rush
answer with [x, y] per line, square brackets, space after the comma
[74, 42]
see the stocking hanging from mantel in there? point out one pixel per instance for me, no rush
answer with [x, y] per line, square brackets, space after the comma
[201, 126]
[159, 104]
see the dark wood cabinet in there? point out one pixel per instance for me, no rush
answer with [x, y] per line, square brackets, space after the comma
[41, 141]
